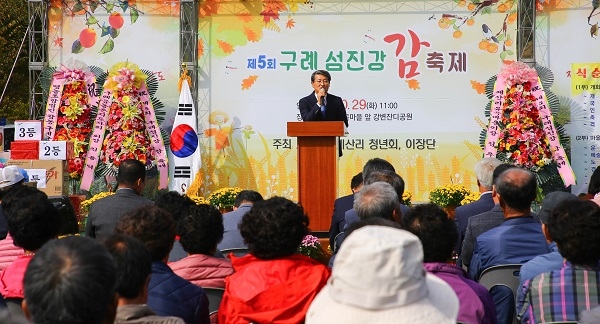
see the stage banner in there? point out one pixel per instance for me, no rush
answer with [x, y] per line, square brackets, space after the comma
[566, 42]
[585, 90]
[411, 75]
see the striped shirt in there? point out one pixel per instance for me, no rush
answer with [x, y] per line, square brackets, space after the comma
[559, 295]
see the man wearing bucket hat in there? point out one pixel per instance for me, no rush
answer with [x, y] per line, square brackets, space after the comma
[378, 277]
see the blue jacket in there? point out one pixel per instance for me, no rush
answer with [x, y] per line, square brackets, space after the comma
[516, 241]
[171, 295]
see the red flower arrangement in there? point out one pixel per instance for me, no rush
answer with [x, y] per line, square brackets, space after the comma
[522, 139]
[74, 124]
[126, 136]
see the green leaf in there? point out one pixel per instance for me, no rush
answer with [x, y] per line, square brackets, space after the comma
[503, 55]
[500, 37]
[109, 7]
[510, 52]
[91, 20]
[455, 27]
[114, 33]
[76, 48]
[105, 30]
[486, 11]
[93, 5]
[108, 46]
[124, 5]
[77, 7]
[134, 15]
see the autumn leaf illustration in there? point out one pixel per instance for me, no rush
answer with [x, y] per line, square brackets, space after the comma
[209, 8]
[478, 86]
[271, 10]
[413, 84]
[226, 47]
[248, 82]
[251, 35]
[290, 23]
[200, 47]
[245, 17]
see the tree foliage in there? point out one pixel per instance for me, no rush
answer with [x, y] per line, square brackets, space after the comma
[13, 25]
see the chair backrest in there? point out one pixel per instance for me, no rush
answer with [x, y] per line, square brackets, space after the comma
[238, 252]
[506, 275]
[214, 298]
[501, 275]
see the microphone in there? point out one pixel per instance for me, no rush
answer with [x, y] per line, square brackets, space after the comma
[323, 96]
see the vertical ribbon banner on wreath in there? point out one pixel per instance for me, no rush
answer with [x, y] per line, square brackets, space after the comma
[558, 152]
[59, 80]
[93, 154]
[184, 140]
[153, 130]
[493, 132]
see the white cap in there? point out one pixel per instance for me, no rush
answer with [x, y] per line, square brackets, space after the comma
[9, 176]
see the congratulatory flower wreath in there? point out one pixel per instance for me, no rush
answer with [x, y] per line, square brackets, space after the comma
[522, 130]
[68, 117]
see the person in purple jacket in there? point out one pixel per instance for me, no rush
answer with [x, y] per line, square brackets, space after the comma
[437, 234]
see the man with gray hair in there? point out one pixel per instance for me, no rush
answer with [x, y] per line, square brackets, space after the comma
[378, 199]
[484, 170]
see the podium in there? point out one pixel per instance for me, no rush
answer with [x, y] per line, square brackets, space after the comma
[317, 168]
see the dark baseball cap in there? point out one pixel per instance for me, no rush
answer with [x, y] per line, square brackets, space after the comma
[551, 201]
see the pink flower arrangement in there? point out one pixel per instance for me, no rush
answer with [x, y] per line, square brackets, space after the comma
[518, 72]
[311, 247]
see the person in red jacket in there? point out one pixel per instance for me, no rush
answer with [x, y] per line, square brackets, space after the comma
[272, 284]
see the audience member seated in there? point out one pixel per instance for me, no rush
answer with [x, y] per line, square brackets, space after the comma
[437, 233]
[177, 205]
[484, 170]
[385, 172]
[483, 222]
[378, 277]
[133, 264]
[168, 293]
[200, 230]
[32, 221]
[561, 295]
[106, 212]
[518, 240]
[341, 206]
[71, 280]
[553, 260]
[232, 239]
[10, 177]
[272, 284]
[378, 199]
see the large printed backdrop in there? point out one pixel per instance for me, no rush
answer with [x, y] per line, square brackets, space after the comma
[412, 75]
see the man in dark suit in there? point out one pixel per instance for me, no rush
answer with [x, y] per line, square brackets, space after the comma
[106, 212]
[340, 206]
[485, 221]
[484, 170]
[321, 105]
